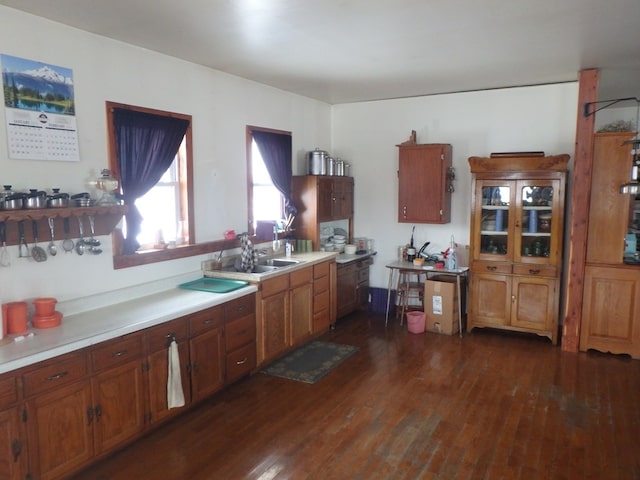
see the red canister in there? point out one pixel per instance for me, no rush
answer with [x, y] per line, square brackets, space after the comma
[16, 317]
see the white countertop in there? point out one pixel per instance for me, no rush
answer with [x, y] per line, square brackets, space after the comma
[87, 328]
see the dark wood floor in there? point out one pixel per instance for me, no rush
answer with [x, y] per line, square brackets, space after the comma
[488, 406]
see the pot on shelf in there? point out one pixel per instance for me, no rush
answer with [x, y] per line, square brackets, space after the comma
[35, 199]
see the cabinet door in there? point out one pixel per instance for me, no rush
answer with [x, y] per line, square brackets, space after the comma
[118, 405]
[611, 310]
[493, 220]
[423, 196]
[274, 327]
[489, 300]
[12, 446]
[60, 431]
[157, 376]
[325, 199]
[301, 312]
[347, 289]
[534, 304]
[539, 222]
[608, 209]
[207, 363]
[342, 198]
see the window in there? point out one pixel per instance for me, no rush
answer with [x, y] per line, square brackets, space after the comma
[266, 199]
[166, 205]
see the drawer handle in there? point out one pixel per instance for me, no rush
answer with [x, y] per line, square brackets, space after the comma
[491, 268]
[241, 362]
[239, 333]
[57, 376]
[207, 321]
[16, 449]
[534, 271]
[120, 353]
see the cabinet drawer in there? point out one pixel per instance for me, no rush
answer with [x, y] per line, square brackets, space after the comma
[321, 301]
[8, 391]
[346, 269]
[240, 307]
[537, 270]
[159, 337]
[117, 351]
[491, 267]
[241, 362]
[206, 320]
[363, 275]
[240, 331]
[320, 285]
[300, 277]
[321, 269]
[274, 285]
[55, 373]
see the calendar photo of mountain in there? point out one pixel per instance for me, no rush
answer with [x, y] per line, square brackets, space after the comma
[37, 86]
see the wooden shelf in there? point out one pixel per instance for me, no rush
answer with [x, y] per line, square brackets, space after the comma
[106, 218]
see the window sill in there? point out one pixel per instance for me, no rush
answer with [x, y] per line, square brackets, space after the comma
[154, 256]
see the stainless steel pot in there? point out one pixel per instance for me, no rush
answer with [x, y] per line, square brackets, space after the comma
[58, 200]
[35, 199]
[13, 202]
[317, 162]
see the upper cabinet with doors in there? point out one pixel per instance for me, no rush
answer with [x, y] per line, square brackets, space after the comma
[424, 183]
[321, 198]
[517, 219]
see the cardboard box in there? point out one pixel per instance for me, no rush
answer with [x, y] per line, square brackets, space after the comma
[441, 304]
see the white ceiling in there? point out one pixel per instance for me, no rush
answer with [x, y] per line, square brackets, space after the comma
[341, 51]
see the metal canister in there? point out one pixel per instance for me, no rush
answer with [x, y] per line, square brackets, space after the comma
[339, 168]
[317, 162]
[331, 166]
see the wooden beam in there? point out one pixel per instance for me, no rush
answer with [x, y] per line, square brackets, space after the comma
[579, 217]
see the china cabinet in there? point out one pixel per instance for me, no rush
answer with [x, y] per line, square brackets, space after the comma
[424, 183]
[321, 198]
[611, 295]
[517, 221]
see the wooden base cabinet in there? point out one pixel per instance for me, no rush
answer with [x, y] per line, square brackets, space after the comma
[352, 286]
[611, 310]
[13, 445]
[83, 405]
[517, 220]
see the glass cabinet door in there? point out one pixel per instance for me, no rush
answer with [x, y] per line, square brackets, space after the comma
[536, 239]
[494, 219]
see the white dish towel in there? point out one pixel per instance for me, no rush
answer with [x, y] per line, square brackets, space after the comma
[175, 395]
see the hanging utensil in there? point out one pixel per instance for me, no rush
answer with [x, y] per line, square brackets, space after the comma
[23, 248]
[4, 255]
[92, 225]
[80, 243]
[37, 252]
[67, 244]
[52, 246]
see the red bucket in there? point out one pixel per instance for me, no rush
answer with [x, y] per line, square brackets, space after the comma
[415, 322]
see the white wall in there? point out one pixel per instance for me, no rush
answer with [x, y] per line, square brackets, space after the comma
[221, 106]
[474, 123]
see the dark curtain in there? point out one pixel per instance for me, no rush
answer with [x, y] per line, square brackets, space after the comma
[275, 149]
[147, 144]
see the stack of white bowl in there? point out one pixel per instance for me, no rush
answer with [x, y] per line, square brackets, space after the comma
[339, 241]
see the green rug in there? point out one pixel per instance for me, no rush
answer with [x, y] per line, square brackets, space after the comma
[311, 362]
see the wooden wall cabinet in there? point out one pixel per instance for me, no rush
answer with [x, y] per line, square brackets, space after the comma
[611, 292]
[321, 198]
[517, 222]
[424, 171]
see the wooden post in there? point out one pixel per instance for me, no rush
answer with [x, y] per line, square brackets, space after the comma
[579, 216]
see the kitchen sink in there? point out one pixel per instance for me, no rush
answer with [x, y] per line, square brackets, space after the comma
[278, 262]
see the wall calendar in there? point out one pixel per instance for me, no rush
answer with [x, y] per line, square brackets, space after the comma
[39, 110]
